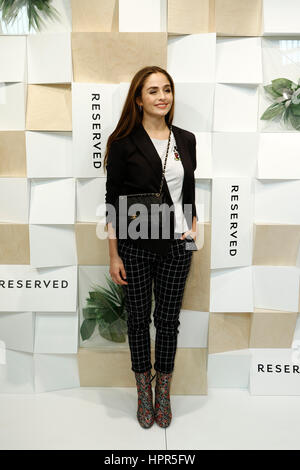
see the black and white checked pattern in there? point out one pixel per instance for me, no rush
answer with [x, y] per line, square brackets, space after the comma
[168, 273]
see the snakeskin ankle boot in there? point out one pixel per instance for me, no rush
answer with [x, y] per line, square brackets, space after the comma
[145, 411]
[162, 410]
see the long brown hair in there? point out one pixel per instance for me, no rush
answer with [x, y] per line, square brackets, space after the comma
[131, 116]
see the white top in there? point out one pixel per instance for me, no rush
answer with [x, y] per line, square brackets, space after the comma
[174, 173]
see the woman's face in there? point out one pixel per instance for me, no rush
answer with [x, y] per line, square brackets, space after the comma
[157, 96]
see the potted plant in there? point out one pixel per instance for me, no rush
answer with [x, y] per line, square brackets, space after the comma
[106, 310]
[35, 8]
[286, 105]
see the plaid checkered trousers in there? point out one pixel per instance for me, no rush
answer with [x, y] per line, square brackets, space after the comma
[166, 274]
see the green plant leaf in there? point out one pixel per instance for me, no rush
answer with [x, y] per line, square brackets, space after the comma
[97, 296]
[110, 295]
[114, 290]
[89, 313]
[118, 290]
[272, 111]
[279, 84]
[113, 332]
[105, 303]
[87, 328]
[295, 108]
[286, 115]
[295, 121]
[269, 89]
[35, 8]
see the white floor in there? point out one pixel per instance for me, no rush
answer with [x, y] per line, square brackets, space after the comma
[105, 418]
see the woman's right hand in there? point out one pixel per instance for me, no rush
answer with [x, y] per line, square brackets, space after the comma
[116, 270]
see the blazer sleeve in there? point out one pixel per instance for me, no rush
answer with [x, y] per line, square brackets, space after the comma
[116, 166]
[194, 160]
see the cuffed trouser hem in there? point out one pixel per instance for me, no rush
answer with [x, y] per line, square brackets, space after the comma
[163, 371]
[141, 371]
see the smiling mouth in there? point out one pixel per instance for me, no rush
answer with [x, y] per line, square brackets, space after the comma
[161, 105]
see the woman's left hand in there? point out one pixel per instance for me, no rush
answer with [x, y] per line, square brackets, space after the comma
[191, 232]
[186, 234]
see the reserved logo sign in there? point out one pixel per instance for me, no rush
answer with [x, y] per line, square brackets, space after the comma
[275, 372]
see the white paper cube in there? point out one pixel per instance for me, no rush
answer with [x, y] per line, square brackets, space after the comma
[52, 245]
[14, 197]
[235, 108]
[52, 201]
[17, 330]
[234, 153]
[17, 375]
[276, 287]
[239, 60]
[281, 17]
[90, 197]
[277, 202]
[191, 58]
[13, 58]
[49, 58]
[194, 106]
[231, 290]
[55, 372]
[229, 369]
[49, 154]
[12, 106]
[281, 58]
[278, 156]
[142, 15]
[56, 333]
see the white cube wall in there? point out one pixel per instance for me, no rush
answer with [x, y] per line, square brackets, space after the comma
[279, 18]
[280, 57]
[12, 106]
[185, 66]
[49, 58]
[239, 60]
[278, 156]
[235, 108]
[56, 160]
[13, 70]
[194, 106]
[52, 245]
[148, 16]
[220, 98]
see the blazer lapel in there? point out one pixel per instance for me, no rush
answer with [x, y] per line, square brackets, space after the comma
[181, 146]
[146, 146]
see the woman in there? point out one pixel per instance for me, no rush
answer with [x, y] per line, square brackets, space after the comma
[134, 161]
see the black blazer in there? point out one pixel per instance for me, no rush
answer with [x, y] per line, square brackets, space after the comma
[134, 166]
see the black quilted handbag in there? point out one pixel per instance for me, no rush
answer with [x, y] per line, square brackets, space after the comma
[126, 213]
